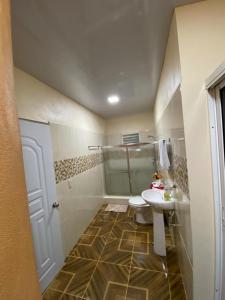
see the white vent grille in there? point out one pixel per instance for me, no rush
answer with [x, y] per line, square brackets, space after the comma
[132, 138]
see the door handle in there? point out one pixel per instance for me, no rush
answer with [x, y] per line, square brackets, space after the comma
[55, 205]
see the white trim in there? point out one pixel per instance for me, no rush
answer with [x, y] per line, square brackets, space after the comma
[217, 196]
[216, 77]
[212, 84]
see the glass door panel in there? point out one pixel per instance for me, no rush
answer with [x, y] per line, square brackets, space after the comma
[116, 171]
[142, 167]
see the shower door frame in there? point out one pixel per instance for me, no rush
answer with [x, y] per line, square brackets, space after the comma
[127, 146]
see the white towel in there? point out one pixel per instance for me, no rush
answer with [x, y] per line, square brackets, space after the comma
[163, 155]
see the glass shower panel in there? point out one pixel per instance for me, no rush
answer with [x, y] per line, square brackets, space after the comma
[142, 167]
[116, 171]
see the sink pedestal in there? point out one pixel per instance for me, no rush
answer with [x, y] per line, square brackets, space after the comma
[158, 203]
[159, 232]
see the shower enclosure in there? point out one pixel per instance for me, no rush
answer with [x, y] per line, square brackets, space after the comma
[128, 168]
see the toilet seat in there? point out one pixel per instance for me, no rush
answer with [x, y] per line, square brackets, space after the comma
[138, 201]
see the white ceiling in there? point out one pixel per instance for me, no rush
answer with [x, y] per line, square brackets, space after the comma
[90, 49]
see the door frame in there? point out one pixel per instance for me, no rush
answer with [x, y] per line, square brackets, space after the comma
[215, 82]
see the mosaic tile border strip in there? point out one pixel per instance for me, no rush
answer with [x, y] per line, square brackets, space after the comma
[70, 167]
[180, 173]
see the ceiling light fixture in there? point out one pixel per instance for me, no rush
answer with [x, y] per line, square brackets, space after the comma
[113, 99]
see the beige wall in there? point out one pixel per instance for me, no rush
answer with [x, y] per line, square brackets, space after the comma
[37, 101]
[201, 29]
[138, 123]
[130, 124]
[73, 128]
[18, 277]
[81, 195]
[170, 77]
[169, 124]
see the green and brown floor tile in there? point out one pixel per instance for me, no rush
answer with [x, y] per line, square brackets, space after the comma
[114, 260]
[92, 251]
[149, 260]
[148, 285]
[114, 254]
[82, 270]
[100, 282]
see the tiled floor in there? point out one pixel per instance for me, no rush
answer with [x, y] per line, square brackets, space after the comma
[114, 260]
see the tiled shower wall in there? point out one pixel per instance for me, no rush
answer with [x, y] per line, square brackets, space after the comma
[171, 128]
[79, 179]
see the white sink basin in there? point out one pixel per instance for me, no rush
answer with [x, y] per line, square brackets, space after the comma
[156, 199]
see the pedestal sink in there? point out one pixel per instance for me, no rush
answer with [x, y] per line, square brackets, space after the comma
[156, 199]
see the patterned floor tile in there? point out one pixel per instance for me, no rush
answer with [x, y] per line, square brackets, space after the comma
[98, 266]
[154, 283]
[115, 291]
[146, 233]
[70, 297]
[142, 248]
[114, 254]
[169, 241]
[92, 230]
[124, 218]
[104, 274]
[149, 261]
[119, 229]
[129, 235]
[126, 245]
[89, 251]
[83, 270]
[52, 295]
[144, 228]
[100, 229]
[134, 293]
[86, 239]
[130, 212]
[99, 219]
[142, 237]
[105, 228]
[109, 213]
[172, 260]
[61, 281]
[176, 287]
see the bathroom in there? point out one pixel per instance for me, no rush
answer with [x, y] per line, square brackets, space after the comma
[108, 98]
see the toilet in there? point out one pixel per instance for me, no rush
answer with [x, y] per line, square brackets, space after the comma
[143, 211]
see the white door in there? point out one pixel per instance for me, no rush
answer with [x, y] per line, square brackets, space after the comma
[41, 190]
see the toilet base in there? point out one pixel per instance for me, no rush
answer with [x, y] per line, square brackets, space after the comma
[144, 215]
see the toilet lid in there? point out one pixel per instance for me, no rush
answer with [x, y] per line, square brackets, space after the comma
[138, 201]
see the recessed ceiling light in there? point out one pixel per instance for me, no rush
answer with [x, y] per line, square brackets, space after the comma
[113, 99]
